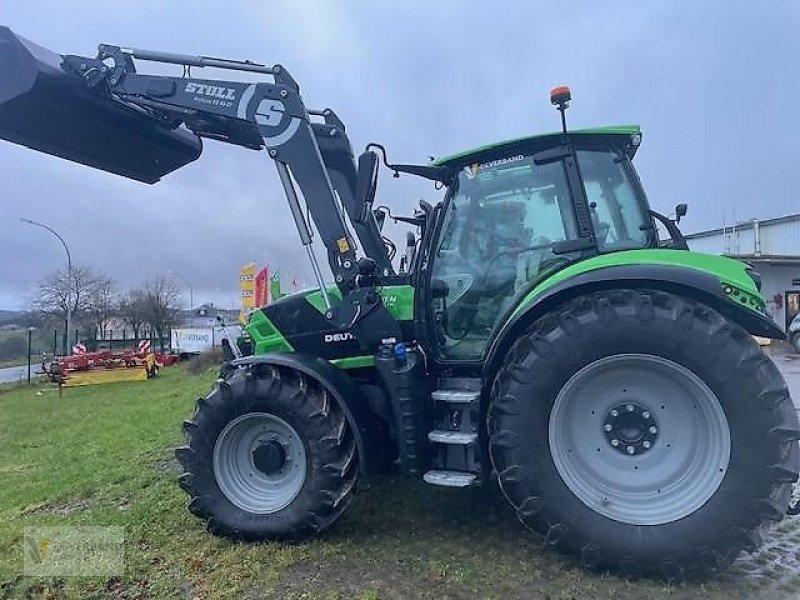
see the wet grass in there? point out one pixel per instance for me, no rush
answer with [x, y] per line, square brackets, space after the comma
[102, 455]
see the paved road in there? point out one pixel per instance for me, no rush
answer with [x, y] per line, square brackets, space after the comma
[13, 374]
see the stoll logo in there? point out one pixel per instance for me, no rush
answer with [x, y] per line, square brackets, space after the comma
[214, 91]
[338, 337]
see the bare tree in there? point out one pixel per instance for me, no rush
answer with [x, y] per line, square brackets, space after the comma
[102, 302]
[92, 298]
[162, 303]
[54, 292]
[133, 310]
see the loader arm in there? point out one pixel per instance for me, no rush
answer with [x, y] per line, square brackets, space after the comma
[259, 115]
[101, 112]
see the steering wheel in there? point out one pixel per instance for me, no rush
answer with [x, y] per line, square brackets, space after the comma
[487, 282]
[467, 301]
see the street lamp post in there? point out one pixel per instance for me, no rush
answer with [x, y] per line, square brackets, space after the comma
[30, 334]
[69, 271]
[189, 284]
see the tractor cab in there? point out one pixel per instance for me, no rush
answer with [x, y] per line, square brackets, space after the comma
[519, 211]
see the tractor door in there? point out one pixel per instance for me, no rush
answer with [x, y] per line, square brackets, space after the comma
[501, 222]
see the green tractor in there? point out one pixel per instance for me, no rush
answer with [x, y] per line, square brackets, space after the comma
[543, 328]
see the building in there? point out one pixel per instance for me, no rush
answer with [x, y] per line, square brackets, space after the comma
[206, 315]
[772, 246]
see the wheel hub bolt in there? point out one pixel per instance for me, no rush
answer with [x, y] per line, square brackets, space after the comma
[630, 428]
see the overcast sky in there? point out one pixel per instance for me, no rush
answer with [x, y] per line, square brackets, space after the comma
[714, 86]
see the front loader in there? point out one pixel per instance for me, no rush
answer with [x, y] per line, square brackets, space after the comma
[540, 330]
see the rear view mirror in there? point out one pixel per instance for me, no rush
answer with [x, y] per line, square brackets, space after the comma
[380, 217]
[680, 212]
[367, 183]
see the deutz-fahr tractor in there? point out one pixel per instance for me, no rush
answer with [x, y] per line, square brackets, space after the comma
[544, 329]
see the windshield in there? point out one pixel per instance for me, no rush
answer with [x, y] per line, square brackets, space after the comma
[501, 223]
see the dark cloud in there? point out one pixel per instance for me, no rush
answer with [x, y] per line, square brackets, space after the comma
[712, 84]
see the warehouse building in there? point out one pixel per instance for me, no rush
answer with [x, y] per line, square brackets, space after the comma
[772, 246]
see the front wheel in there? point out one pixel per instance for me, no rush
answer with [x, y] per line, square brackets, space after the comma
[269, 455]
[644, 433]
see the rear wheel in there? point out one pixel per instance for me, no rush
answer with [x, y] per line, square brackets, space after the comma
[269, 455]
[643, 432]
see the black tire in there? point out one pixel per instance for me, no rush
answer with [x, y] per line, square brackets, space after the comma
[331, 458]
[764, 457]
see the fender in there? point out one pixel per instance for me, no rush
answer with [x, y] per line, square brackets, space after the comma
[364, 423]
[692, 283]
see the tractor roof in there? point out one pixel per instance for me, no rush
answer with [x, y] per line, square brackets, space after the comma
[464, 157]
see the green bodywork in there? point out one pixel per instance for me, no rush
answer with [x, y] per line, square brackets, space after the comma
[266, 337]
[398, 300]
[731, 273]
[354, 362]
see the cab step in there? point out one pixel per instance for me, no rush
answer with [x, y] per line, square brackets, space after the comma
[450, 478]
[456, 396]
[463, 438]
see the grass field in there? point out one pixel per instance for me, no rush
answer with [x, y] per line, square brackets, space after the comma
[103, 456]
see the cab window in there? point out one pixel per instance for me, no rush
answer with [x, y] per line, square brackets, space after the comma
[620, 223]
[495, 243]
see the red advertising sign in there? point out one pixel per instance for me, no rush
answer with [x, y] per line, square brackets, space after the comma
[262, 287]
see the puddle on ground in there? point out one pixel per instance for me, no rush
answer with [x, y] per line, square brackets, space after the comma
[773, 572]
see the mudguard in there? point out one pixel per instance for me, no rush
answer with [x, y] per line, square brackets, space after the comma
[365, 424]
[692, 283]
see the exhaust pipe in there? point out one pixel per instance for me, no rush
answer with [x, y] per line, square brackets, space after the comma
[45, 108]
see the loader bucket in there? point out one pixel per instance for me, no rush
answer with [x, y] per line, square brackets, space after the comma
[45, 108]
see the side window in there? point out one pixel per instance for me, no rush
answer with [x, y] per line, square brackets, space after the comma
[618, 218]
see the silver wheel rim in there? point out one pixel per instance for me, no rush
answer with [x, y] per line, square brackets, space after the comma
[240, 474]
[685, 458]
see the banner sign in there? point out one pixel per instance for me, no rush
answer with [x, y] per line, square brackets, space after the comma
[247, 286]
[262, 287]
